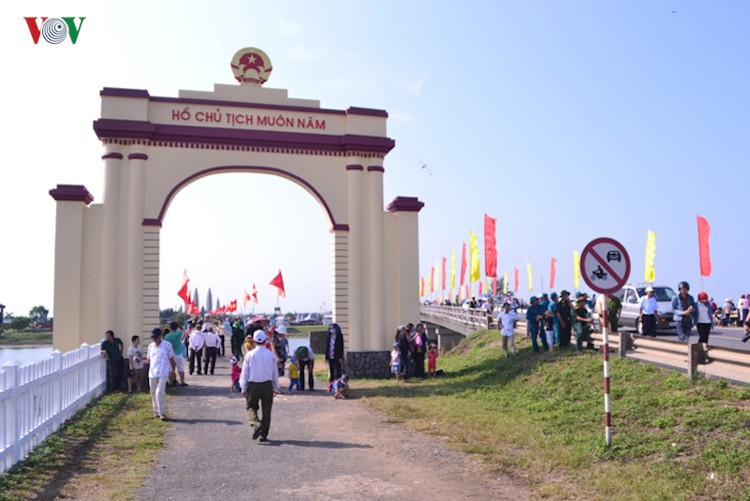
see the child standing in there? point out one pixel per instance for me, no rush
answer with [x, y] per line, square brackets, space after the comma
[396, 362]
[432, 356]
[135, 372]
[293, 374]
[549, 329]
[236, 372]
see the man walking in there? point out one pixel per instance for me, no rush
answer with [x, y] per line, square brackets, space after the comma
[212, 349]
[683, 305]
[259, 381]
[175, 338]
[197, 343]
[160, 361]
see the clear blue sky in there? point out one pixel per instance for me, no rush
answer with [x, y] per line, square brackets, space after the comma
[564, 120]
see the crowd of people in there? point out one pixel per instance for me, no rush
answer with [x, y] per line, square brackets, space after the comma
[260, 356]
[410, 351]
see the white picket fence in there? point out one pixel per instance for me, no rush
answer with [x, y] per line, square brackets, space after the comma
[37, 398]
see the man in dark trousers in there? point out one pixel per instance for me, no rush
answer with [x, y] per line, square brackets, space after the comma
[259, 381]
[112, 352]
[335, 352]
[306, 360]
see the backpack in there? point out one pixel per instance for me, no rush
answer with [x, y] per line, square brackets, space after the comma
[303, 353]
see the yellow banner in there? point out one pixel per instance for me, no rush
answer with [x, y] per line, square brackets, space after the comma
[505, 282]
[453, 270]
[649, 272]
[576, 270]
[528, 271]
[474, 272]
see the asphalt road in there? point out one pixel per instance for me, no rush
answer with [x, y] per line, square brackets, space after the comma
[320, 449]
[725, 337]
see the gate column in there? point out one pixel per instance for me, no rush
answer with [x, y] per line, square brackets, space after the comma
[110, 240]
[71, 202]
[357, 336]
[133, 278]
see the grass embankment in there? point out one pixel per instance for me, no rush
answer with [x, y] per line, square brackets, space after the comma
[19, 338]
[104, 452]
[539, 417]
[304, 330]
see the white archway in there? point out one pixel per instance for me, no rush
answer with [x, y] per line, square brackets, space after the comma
[154, 146]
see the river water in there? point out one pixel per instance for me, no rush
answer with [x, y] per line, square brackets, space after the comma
[25, 354]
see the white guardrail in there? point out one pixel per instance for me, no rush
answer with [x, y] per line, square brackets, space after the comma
[37, 398]
[693, 358]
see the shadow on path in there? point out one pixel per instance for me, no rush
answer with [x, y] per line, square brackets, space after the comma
[320, 444]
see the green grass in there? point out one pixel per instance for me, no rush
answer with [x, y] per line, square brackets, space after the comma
[540, 418]
[104, 452]
[17, 338]
[304, 330]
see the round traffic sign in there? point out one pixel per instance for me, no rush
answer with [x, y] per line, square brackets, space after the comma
[605, 265]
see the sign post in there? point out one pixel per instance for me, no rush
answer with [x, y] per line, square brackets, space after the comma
[605, 267]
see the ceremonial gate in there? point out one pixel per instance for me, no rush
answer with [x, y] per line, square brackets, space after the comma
[107, 254]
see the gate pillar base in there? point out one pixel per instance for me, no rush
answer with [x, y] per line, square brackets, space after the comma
[368, 364]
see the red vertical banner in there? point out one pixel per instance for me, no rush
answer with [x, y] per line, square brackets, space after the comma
[704, 234]
[552, 273]
[515, 281]
[463, 265]
[445, 273]
[480, 287]
[490, 247]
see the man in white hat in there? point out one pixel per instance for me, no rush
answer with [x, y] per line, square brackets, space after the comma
[259, 381]
[648, 312]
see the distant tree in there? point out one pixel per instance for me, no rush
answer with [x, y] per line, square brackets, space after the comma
[180, 317]
[39, 313]
[165, 315]
[20, 323]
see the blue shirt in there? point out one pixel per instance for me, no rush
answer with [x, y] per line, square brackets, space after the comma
[678, 309]
[649, 305]
[531, 315]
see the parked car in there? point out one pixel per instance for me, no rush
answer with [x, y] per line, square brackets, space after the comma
[631, 295]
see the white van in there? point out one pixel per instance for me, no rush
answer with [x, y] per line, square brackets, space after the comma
[630, 296]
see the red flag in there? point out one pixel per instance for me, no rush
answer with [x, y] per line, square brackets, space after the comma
[183, 292]
[552, 273]
[192, 309]
[490, 247]
[480, 287]
[233, 305]
[515, 281]
[704, 233]
[278, 282]
[246, 299]
[463, 265]
[255, 295]
[445, 274]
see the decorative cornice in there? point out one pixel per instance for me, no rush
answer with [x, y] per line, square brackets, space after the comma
[137, 156]
[375, 168]
[119, 92]
[355, 167]
[112, 154]
[370, 112]
[405, 204]
[71, 193]
[107, 129]
[152, 222]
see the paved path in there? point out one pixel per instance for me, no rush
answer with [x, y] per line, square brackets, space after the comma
[320, 449]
